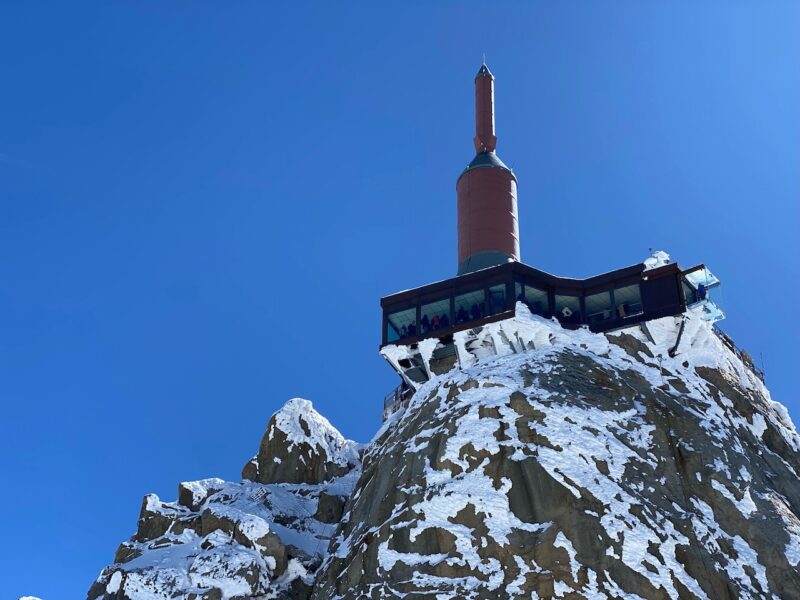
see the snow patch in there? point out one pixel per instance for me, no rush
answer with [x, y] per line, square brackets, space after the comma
[659, 258]
[113, 584]
[746, 506]
[561, 541]
[301, 424]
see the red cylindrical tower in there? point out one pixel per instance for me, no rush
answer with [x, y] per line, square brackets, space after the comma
[488, 229]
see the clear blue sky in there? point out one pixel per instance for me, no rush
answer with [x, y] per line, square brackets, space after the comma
[201, 204]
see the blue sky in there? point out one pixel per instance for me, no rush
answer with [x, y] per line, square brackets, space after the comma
[202, 203]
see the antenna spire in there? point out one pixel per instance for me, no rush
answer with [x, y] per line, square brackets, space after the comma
[485, 139]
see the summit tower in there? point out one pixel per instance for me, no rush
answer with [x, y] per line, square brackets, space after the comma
[488, 227]
[431, 329]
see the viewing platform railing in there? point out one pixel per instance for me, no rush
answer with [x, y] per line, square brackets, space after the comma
[743, 355]
[395, 399]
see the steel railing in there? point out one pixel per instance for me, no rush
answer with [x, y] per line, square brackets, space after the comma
[395, 399]
[743, 355]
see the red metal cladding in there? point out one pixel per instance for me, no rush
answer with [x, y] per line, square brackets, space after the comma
[485, 140]
[487, 213]
[487, 193]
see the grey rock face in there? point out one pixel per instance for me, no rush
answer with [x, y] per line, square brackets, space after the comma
[587, 466]
[224, 540]
[330, 508]
[552, 464]
[300, 446]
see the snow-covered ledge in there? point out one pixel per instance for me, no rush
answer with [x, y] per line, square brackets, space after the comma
[683, 336]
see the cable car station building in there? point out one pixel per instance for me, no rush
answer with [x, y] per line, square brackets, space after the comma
[491, 280]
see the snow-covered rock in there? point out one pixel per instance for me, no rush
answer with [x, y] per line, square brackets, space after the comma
[645, 463]
[568, 464]
[301, 446]
[224, 540]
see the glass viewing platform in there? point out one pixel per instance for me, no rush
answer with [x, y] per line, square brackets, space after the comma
[613, 300]
[609, 301]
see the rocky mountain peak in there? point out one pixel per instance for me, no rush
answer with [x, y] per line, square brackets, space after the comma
[301, 424]
[647, 463]
[264, 536]
[300, 446]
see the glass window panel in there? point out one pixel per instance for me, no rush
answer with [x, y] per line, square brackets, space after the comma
[598, 307]
[434, 315]
[689, 292]
[470, 306]
[628, 300]
[401, 324]
[536, 299]
[497, 299]
[568, 309]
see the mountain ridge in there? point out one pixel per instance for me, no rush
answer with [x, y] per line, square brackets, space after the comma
[646, 463]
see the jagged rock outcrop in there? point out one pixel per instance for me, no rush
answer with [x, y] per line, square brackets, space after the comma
[300, 446]
[646, 463]
[579, 465]
[223, 540]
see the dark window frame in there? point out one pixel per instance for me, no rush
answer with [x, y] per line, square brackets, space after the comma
[397, 309]
[511, 273]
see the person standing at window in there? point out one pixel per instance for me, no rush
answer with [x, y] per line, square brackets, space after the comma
[475, 313]
[425, 323]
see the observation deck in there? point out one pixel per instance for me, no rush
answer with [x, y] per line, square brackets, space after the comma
[606, 302]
